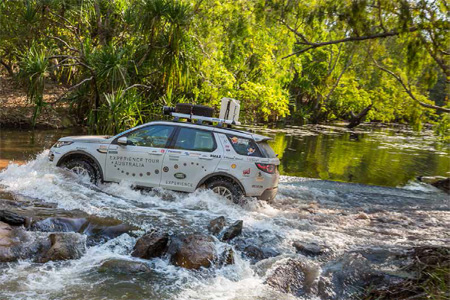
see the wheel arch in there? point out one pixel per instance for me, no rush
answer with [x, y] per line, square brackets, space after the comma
[80, 154]
[221, 175]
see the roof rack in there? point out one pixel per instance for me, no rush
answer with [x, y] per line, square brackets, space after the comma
[201, 119]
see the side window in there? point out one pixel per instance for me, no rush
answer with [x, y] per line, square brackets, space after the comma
[195, 140]
[152, 136]
[244, 146]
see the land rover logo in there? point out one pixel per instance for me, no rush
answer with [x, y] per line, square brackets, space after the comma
[180, 175]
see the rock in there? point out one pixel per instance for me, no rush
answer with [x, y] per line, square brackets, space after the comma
[193, 251]
[65, 246]
[430, 179]
[311, 249]
[12, 218]
[289, 278]
[257, 254]
[6, 243]
[226, 257]
[124, 266]
[150, 245]
[362, 216]
[443, 185]
[232, 231]
[215, 226]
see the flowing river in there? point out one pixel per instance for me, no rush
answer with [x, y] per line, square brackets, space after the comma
[366, 214]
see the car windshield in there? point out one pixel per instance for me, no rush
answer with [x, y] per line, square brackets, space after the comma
[266, 149]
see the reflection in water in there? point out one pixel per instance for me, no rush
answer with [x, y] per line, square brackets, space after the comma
[383, 156]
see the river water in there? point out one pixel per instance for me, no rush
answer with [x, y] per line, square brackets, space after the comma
[355, 222]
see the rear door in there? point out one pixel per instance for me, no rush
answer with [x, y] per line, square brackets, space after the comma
[141, 160]
[194, 154]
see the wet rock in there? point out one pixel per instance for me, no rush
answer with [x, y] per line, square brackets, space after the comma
[6, 243]
[362, 216]
[12, 218]
[345, 277]
[150, 245]
[443, 185]
[124, 266]
[193, 251]
[256, 254]
[65, 246]
[311, 249]
[232, 231]
[226, 257]
[289, 278]
[216, 225]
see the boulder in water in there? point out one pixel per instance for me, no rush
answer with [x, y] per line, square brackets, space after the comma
[216, 225]
[443, 185]
[257, 254]
[289, 278]
[193, 251]
[150, 245]
[64, 246]
[232, 231]
[124, 266]
[310, 249]
[12, 218]
[6, 243]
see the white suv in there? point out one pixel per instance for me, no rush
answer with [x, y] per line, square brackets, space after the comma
[178, 156]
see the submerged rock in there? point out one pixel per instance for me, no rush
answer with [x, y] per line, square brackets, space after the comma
[289, 278]
[150, 245]
[65, 246]
[6, 243]
[12, 218]
[216, 225]
[59, 224]
[193, 251]
[311, 249]
[232, 231]
[257, 254]
[124, 266]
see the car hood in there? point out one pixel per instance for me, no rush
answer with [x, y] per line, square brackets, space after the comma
[86, 138]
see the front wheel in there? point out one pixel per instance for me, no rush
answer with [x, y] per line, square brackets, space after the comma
[83, 168]
[226, 189]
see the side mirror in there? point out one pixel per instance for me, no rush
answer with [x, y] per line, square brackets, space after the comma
[123, 141]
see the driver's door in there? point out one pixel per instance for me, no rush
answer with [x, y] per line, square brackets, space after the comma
[139, 161]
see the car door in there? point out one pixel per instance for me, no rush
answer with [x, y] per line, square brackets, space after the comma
[193, 155]
[141, 159]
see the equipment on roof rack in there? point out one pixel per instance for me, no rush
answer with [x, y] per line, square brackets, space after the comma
[229, 112]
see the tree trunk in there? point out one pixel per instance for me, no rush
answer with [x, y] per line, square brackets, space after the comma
[356, 120]
[7, 67]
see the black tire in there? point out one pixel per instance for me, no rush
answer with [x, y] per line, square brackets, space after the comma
[79, 165]
[203, 110]
[183, 108]
[236, 191]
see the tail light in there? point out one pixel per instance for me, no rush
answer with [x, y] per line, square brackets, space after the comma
[268, 168]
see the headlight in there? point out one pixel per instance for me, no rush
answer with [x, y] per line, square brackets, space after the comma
[60, 144]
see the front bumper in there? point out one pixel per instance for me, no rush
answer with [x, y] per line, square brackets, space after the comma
[268, 194]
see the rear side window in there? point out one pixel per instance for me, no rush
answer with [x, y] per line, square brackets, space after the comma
[244, 146]
[195, 140]
[267, 150]
[151, 136]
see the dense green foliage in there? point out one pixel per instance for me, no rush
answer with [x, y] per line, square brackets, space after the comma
[122, 60]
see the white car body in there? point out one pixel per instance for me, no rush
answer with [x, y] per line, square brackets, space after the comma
[178, 165]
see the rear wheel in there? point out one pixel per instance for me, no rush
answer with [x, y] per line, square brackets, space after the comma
[226, 189]
[83, 168]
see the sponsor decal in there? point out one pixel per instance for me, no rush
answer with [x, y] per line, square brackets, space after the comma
[259, 177]
[175, 151]
[148, 173]
[250, 150]
[228, 157]
[236, 140]
[110, 151]
[186, 153]
[162, 150]
[246, 172]
[136, 162]
[156, 171]
[179, 183]
[233, 166]
[179, 175]
[175, 166]
[166, 169]
[215, 155]
[255, 186]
